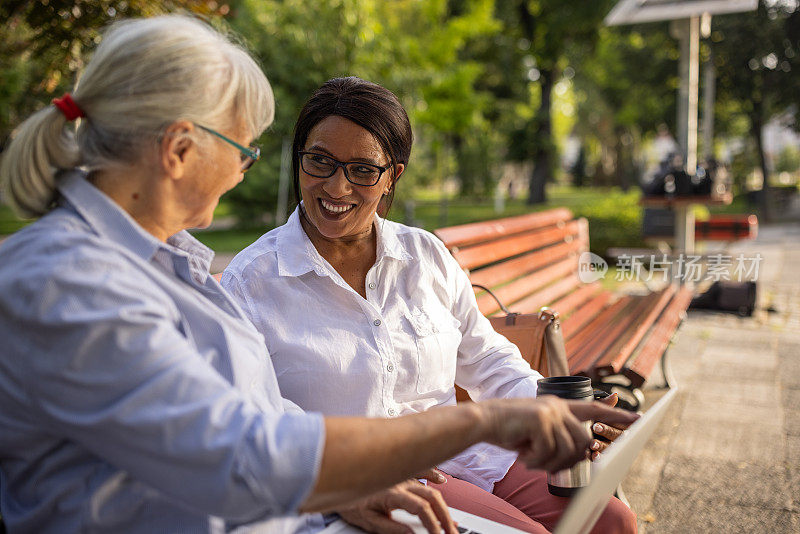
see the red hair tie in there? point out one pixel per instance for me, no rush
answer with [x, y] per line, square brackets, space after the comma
[68, 107]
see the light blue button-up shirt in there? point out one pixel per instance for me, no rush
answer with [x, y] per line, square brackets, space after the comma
[134, 394]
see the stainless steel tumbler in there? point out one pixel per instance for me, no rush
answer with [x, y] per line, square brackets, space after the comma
[566, 482]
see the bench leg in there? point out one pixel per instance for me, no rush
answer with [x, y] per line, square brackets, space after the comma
[630, 398]
[619, 494]
[666, 372]
[638, 400]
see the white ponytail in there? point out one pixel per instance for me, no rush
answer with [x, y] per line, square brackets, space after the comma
[144, 75]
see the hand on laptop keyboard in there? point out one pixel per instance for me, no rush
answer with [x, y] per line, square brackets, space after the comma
[423, 503]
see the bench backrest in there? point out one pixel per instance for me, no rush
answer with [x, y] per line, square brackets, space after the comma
[528, 261]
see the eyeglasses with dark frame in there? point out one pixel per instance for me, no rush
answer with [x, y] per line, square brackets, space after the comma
[249, 155]
[357, 173]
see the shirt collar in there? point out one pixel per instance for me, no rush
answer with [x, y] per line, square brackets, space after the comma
[112, 222]
[295, 252]
[389, 245]
[297, 255]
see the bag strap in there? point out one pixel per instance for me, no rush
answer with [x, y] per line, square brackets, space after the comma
[545, 313]
[502, 306]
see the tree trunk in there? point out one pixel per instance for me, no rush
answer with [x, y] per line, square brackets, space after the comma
[542, 156]
[464, 176]
[624, 160]
[756, 130]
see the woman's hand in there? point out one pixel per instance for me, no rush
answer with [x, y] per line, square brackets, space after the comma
[604, 433]
[547, 431]
[373, 512]
[432, 475]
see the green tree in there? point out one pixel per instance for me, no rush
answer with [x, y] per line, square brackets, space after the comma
[545, 29]
[627, 85]
[43, 43]
[413, 48]
[300, 45]
[757, 57]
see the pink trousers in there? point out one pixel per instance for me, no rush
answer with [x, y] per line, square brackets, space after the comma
[521, 500]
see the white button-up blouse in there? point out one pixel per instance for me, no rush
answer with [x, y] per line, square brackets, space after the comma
[398, 351]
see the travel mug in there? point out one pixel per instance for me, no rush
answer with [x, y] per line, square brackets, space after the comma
[567, 482]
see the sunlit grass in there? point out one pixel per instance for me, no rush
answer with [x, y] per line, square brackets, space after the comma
[10, 223]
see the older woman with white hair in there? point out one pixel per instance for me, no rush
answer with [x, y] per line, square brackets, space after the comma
[135, 396]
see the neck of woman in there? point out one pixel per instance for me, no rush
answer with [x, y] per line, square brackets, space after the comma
[321, 242]
[352, 257]
[141, 197]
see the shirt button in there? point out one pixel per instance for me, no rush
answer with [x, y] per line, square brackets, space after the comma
[390, 367]
[392, 413]
[372, 285]
[376, 322]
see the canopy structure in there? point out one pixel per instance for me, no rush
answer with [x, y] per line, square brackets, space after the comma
[638, 11]
[689, 18]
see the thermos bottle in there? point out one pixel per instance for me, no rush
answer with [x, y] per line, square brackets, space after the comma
[567, 482]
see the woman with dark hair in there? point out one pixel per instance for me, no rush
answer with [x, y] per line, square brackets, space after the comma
[364, 316]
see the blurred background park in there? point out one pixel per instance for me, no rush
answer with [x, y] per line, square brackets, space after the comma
[516, 105]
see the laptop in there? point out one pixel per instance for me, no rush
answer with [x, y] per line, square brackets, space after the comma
[586, 506]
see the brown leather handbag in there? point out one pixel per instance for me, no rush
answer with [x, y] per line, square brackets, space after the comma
[537, 335]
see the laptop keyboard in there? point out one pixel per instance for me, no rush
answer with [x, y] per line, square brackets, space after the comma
[465, 530]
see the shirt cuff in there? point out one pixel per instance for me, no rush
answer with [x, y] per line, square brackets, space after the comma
[286, 474]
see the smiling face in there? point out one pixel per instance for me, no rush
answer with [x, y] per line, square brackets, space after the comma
[336, 208]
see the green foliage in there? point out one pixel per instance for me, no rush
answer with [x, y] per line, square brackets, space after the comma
[625, 87]
[411, 47]
[475, 76]
[742, 165]
[544, 29]
[788, 160]
[43, 43]
[230, 241]
[630, 80]
[615, 217]
[757, 59]
[9, 222]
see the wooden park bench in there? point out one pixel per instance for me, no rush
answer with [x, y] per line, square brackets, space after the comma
[531, 261]
[727, 228]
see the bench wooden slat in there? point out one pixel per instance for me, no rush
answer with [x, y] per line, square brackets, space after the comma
[500, 273]
[616, 356]
[532, 303]
[472, 257]
[513, 292]
[532, 260]
[598, 324]
[587, 356]
[657, 343]
[465, 234]
[586, 313]
[566, 305]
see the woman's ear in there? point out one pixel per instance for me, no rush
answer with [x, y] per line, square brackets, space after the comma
[399, 168]
[175, 147]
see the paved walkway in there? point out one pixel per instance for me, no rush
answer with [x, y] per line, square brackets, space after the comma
[727, 456]
[220, 261]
